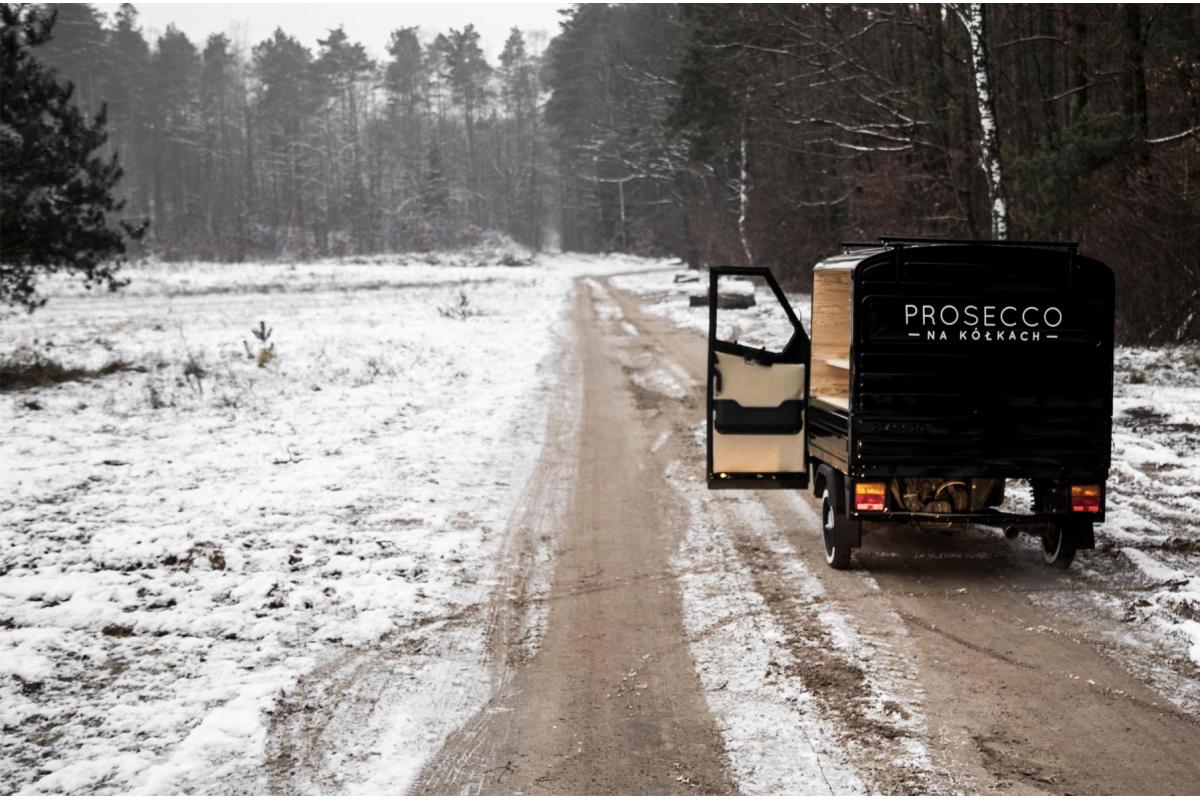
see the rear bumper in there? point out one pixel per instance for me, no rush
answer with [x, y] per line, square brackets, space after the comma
[988, 516]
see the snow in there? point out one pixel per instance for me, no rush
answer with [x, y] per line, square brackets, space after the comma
[761, 325]
[777, 739]
[780, 737]
[180, 545]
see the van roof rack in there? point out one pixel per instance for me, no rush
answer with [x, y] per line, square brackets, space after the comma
[899, 241]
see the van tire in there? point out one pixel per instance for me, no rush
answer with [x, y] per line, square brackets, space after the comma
[1058, 548]
[836, 555]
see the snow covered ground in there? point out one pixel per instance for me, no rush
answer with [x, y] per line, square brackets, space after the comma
[186, 534]
[1145, 574]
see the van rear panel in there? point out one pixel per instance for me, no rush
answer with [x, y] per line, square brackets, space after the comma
[981, 361]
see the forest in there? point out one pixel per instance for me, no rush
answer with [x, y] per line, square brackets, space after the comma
[729, 133]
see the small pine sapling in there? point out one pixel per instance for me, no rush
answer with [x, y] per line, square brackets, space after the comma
[266, 348]
[461, 309]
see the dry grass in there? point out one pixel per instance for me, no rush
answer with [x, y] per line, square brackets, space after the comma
[27, 369]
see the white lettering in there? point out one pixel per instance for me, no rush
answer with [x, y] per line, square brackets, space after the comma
[940, 321]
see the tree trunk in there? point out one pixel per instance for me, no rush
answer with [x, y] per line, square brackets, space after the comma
[1079, 35]
[1136, 107]
[972, 17]
[744, 187]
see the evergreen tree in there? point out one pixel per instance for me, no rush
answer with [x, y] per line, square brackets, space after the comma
[466, 71]
[129, 111]
[520, 204]
[220, 114]
[79, 50]
[173, 96]
[340, 66]
[285, 102]
[56, 194]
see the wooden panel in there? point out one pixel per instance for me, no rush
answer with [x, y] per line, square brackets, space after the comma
[837, 401]
[831, 335]
[758, 453]
[753, 384]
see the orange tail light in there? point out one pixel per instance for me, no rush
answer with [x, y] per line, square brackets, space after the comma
[1085, 499]
[870, 496]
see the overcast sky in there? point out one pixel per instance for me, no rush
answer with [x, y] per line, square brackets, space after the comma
[368, 23]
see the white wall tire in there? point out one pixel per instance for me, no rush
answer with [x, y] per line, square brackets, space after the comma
[1058, 549]
[836, 555]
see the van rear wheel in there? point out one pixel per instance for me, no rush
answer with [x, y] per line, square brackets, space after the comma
[836, 555]
[1058, 548]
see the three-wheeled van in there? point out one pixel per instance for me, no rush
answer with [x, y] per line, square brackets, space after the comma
[937, 372]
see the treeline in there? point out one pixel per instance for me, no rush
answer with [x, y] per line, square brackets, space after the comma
[767, 133]
[283, 150]
[720, 133]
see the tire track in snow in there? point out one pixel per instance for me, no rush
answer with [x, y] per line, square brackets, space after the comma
[365, 722]
[777, 739]
[807, 699]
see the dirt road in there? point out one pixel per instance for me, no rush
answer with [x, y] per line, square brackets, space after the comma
[695, 642]
[1017, 695]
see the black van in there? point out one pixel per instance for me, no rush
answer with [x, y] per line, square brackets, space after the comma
[937, 371]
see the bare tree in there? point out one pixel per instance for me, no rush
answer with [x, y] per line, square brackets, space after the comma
[973, 19]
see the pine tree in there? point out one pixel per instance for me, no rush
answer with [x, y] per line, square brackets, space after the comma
[518, 76]
[174, 99]
[466, 70]
[404, 82]
[129, 112]
[79, 51]
[221, 185]
[56, 194]
[285, 103]
[340, 66]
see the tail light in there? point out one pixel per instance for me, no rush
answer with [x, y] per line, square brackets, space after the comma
[869, 496]
[1085, 499]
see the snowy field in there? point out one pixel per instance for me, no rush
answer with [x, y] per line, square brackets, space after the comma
[1145, 573]
[185, 534]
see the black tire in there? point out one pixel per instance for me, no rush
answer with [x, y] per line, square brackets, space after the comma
[1058, 549]
[836, 556]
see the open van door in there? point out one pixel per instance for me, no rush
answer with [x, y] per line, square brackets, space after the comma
[757, 385]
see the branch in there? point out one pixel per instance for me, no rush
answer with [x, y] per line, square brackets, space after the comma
[1174, 136]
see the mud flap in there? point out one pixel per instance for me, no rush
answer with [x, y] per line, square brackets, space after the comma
[846, 532]
[1083, 536]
